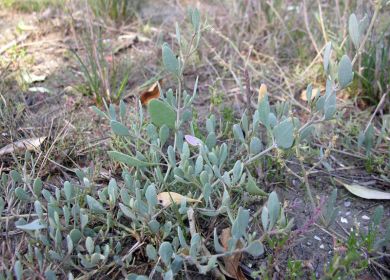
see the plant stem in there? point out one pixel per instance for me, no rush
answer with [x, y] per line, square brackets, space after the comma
[260, 154]
[305, 178]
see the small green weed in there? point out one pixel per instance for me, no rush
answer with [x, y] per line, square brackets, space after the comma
[105, 78]
[350, 258]
[115, 10]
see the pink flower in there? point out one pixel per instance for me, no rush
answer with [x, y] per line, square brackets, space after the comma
[192, 140]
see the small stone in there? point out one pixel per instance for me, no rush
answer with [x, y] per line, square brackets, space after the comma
[364, 217]
[347, 203]
[348, 213]
[308, 243]
[344, 220]
[317, 238]
[322, 246]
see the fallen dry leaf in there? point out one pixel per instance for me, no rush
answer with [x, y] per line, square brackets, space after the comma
[166, 198]
[152, 93]
[364, 192]
[22, 145]
[232, 263]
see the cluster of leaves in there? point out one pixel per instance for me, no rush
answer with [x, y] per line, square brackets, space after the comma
[80, 232]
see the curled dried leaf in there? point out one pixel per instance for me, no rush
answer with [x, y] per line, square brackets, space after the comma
[152, 93]
[166, 198]
[232, 262]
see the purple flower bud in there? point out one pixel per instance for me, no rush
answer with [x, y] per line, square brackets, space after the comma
[192, 140]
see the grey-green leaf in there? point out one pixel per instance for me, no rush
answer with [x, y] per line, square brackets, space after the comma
[37, 186]
[327, 54]
[345, 71]
[309, 91]
[154, 226]
[171, 63]
[273, 209]
[95, 205]
[18, 270]
[241, 223]
[68, 190]
[195, 245]
[211, 140]
[151, 252]
[2, 205]
[165, 251]
[127, 211]
[161, 113]
[354, 32]
[330, 106]
[378, 214]
[255, 248]
[128, 160]
[253, 189]
[284, 134]
[238, 134]
[237, 171]
[182, 240]
[195, 19]
[75, 234]
[306, 132]
[163, 134]
[34, 225]
[99, 112]
[255, 146]
[89, 244]
[265, 218]
[151, 195]
[119, 129]
[21, 194]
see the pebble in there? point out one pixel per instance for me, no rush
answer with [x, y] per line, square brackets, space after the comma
[344, 220]
[364, 217]
[322, 246]
[348, 213]
[347, 203]
[317, 238]
[308, 244]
